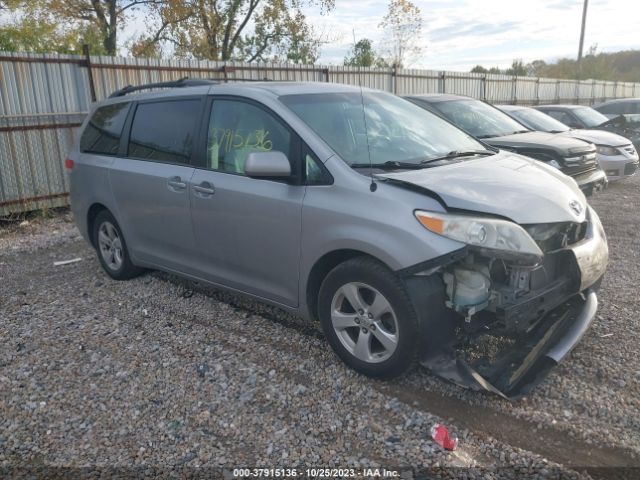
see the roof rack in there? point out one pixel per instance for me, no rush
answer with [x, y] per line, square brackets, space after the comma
[183, 82]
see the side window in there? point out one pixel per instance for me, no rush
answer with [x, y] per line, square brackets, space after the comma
[104, 129]
[164, 131]
[611, 108]
[561, 116]
[236, 129]
[314, 172]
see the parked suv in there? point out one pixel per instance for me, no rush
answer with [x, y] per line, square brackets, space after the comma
[580, 116]
[485, 122]
[616, 155]
[404, 236]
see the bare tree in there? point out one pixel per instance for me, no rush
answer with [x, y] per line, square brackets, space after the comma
[402, 27]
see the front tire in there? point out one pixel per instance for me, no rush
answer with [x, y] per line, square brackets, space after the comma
[112, 248]
[368, 318]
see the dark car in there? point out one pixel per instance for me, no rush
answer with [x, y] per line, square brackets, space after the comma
[619, 106]
[573, 157]
[580, 116]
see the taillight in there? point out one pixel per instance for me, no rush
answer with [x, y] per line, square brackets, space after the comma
[68, 163]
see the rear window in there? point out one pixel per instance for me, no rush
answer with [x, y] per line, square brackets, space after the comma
[103, 132]
[164, 131]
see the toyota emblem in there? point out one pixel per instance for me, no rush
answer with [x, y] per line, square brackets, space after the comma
[575, 207]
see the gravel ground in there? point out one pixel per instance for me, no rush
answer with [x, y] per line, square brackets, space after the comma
[142, 375]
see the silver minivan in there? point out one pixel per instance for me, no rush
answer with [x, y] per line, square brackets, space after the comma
[407, 239]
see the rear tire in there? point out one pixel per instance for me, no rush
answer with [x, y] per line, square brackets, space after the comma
[112, 248]
[368, 318]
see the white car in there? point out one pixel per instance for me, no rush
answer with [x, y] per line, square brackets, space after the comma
[616, 154]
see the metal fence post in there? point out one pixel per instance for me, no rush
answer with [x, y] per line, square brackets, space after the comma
[537, 100]
[394, 80]
[514, 95]
[557, 91]
[484, 87]
[87, 62]
[441, 85]
[325, 72]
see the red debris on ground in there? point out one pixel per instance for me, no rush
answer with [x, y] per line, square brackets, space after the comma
[441, 436]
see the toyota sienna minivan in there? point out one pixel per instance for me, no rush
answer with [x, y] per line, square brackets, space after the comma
[406, 238]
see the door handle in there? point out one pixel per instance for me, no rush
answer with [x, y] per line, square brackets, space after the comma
[205, 189]
[176, 183]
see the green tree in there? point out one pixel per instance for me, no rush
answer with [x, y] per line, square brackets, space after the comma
[99, 17]
[27, 34]
[517, 69]
[246, 30]
[479, 69]
[363, 55]
[402, 27]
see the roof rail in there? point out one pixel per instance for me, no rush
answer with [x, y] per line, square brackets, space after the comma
[183, 82]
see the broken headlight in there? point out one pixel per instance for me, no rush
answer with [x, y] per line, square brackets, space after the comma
[501, 237]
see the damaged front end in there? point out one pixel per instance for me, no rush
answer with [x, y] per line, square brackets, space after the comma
[508, 318]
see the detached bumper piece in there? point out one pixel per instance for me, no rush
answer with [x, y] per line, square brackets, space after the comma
[513, 367]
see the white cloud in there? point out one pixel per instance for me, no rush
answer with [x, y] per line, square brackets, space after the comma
[459, 34]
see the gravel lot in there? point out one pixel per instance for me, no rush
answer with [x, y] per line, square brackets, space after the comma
[140, 376]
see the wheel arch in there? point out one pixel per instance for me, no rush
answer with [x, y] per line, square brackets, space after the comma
[92, 213]
[320, 270]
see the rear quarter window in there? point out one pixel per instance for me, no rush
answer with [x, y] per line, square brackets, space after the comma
[104, 129]
[164, 131]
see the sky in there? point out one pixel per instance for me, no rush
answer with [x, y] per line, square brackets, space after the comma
[459, 34]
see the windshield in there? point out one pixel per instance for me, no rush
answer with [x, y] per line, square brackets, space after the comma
[396, 129]
[536, 120]
[478, 118]
[589, 116]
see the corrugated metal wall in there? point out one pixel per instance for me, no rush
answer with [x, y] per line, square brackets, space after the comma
[43, 99]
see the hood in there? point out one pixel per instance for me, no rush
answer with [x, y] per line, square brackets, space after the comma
[599, 137]
[557, 141]
[506, 184]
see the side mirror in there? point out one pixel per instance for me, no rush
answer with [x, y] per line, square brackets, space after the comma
[267, 165]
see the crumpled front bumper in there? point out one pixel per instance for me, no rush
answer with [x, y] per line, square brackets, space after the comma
[525, 364]
[519, 366]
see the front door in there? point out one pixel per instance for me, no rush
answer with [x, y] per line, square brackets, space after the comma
[247, 231]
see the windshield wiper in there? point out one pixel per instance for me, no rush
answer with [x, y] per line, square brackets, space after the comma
[390, 165]
[457, 154]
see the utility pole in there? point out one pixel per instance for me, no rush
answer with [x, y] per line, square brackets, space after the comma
[584, 22]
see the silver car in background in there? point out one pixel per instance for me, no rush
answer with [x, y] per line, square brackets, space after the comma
[616, 155]
[406, 238]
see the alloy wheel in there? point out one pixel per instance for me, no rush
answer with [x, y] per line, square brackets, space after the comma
[364, 322]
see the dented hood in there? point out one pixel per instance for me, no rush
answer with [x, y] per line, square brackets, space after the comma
[506, 184]
[599, 137]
